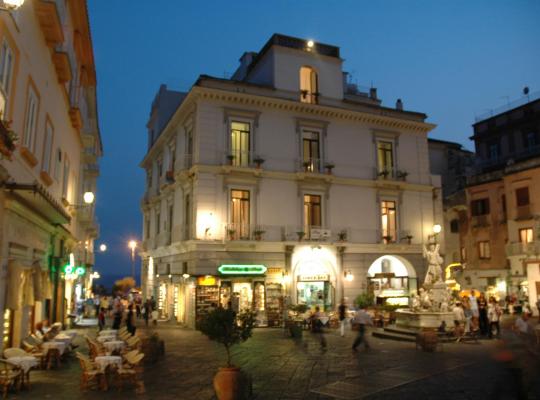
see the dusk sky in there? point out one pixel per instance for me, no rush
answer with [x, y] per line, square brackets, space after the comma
[451, 60]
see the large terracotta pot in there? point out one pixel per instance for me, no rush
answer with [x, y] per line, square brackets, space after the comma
[228, 384]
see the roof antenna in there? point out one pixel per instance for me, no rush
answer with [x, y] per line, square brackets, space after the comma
[526, 93]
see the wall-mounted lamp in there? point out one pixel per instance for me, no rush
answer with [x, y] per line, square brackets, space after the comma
[348, 276]
[185, 276]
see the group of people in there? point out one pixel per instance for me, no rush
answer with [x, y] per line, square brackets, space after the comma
[477, 315]
[135, 309]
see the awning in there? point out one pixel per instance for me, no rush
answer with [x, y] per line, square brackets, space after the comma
[36, 197]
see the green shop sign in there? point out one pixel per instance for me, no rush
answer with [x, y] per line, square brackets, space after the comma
[236, 269]
[70, 269]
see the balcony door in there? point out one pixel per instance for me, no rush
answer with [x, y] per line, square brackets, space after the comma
[311, 151]
[240, 214]
[240, 142]
[388, 221]
[312, 213]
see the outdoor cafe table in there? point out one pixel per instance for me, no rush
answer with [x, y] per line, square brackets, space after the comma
[108, 332]
[106, 338]
[26, 363]
[66, 339]
[104, 361]
[114, 345]
[72, 333]
[60, 346]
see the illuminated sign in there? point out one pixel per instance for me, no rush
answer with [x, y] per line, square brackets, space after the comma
[313, 278]
[70, 269]
[207, 280]
[235, 269]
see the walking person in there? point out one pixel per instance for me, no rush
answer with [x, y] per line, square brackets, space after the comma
[342, 310]
[317, 327]
[130, 324]
[146, 310]
[483, 314]
[494, 316]
[101, 318]
[361, 319]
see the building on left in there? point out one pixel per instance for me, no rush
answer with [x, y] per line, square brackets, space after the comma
[50, 146]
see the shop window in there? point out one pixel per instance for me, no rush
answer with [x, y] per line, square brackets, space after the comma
[454, 226]
[526, 235]
[311, 155]
[522, 196]
[319, 293]
[240, 214]
[484, 250]
[480, 207]
[240, 143]
[309, 91]
[385, 158]
[312, 212]
[388, 221]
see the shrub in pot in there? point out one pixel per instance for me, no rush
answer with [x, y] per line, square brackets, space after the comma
[228, 328]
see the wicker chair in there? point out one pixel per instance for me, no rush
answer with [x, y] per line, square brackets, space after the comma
[10, 376]
[131, 371]
[90, 373]
[36, 352]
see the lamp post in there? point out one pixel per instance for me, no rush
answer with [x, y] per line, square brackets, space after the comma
[11, 5]
[132, 245]
[436, 230]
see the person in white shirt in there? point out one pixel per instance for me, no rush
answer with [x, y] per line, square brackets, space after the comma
[494, 316]
[474, 304]
[361, 318]
[522, 325]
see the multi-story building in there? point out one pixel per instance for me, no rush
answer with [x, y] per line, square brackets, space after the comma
[50, 145]
[454, 164]
[500, 236]
[284, 184]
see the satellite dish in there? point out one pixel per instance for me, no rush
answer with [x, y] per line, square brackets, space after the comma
[526, 90]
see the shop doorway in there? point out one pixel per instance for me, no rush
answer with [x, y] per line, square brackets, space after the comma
[391, 279]
[316, 293]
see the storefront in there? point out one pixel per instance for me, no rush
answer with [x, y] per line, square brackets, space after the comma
[315, 290]
[392, 279]
[242, 287]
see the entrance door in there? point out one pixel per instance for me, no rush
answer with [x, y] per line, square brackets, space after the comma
[242, 296]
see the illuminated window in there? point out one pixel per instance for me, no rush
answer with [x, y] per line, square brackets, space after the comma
[6, 74]
[311, 151]
[484, 250]
[312, 212]
[526, 235]
[240, 218]
[388, 221]
[30, 121]
[463, 254]
[240, 132]
[385, 158]
[309, 86]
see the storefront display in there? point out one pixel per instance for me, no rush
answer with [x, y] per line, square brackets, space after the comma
[390, 281]
[315, 290]
[274, 304]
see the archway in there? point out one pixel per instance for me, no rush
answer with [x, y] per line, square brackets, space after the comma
[391, 279]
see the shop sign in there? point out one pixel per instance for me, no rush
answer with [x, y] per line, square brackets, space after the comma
[274, 271]
[313, 278]
[70, 270]
[239, 269]
[207, 280]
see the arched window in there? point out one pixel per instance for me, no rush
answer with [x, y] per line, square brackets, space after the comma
[309, 88]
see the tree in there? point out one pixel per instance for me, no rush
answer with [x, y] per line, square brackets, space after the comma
[124, 285]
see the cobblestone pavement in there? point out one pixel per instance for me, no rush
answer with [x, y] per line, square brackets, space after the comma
[284, 369]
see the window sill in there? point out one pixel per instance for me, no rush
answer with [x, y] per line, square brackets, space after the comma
[29, 157]
[46, 178]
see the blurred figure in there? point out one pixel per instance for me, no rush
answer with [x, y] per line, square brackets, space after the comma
[130, 323]
[342, 310]
[494, 316]
[483, 314]
[361, 319]
[317, 327]
[101, 318]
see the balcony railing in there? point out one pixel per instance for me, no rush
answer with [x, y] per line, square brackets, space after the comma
[480, 221]
[524, 212]
[523, 249]
[390, 174]
[314, 165]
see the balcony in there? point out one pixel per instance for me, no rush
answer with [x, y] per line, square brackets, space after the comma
[480, 221]
[91, 169]
[390, 174]
[524, 212]
[62, 65]
[523, 249]
[49, 21]
[241, 159]
[76, 117]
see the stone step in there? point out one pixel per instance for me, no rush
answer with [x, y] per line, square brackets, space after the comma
[403, 337]
[405, 331]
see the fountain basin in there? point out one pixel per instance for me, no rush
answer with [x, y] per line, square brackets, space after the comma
[408, 318]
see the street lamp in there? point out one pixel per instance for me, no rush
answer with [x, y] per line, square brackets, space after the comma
[103, 247]
[88, 198]
[436, 230]
[132, 244]
[11, 5]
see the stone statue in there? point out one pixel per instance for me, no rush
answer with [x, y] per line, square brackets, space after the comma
[415, 302]
[425, 299]
[434, 259]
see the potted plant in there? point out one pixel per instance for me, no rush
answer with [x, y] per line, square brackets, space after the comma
[329, 167]
[306, 165]
[387, 239]
[8, 140]
[384, 173]
[226, 327]
[409, 238]
[295, 325]
[258, 233]
[231, 158]
[231, 232]
[402, 175]
[342, 235]
[364, 300]
[259, 161]
[300, 235]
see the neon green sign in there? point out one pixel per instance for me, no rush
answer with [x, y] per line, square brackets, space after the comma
[239, 269]
[70, 269]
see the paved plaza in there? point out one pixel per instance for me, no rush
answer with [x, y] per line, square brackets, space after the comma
[284, 369]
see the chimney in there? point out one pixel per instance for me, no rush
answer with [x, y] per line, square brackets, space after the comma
[373, 93]
[399, 105]
[245, 62]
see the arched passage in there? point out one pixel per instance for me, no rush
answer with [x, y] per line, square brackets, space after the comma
[392, 279]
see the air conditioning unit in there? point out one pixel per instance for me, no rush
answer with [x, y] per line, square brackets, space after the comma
[320, 234]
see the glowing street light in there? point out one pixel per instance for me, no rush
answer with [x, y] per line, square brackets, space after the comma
[103, 247]
[437, 229]
[132, 244]
[88, 198]
[310, 44]
[11, 5]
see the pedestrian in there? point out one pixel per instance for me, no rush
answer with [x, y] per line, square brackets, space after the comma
[138, 307]
[101, 318]
[155, 315]
[317, 326]
[494, 316]
[130, 323]
[474, 304]
[118, 311]
[361, 319]
[482, 314]
[342, 310]
[146, 312]
[467, 312]
[153, 303]
[105, 304]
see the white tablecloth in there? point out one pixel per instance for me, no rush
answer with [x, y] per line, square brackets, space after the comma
[106, 338]
[108, 332]
[63, 338]
[103, 361]
[114, 345]
[72, 333]
[25, 362]
[61, 346]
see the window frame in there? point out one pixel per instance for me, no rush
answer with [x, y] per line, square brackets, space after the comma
[312, 164]
[523, 189]
[482, 246]
[309, 94]
[529, 232]
[29, 138]
[382, 167]
[242, 230]
[244, 161]
[65, 177]
[474, 209]
[47, 154]
[7, 87]
[395, 239]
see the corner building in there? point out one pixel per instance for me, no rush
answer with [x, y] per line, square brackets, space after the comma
[285, 184]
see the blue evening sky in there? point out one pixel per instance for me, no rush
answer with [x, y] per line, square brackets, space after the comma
[449, 59]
